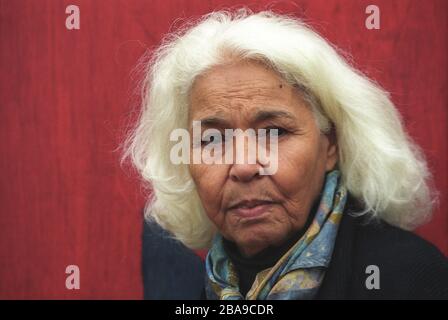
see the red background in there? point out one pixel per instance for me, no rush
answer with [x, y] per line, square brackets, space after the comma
[67, 97]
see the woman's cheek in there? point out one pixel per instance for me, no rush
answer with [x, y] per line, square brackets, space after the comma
[295, 174]
[291, 168]
[210, 180]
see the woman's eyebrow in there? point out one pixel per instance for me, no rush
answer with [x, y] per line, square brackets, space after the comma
[214, 121]
[263, 115]
[259, 116]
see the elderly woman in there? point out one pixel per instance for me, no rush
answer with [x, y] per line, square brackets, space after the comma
[328, 222]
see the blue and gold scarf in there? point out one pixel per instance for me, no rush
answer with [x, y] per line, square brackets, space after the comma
[299, 273]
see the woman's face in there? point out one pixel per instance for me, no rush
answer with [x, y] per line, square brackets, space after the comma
[257, 211]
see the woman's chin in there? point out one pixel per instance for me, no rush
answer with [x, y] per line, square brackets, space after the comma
[251, 242]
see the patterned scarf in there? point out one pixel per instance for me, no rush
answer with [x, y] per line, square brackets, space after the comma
[299, 273]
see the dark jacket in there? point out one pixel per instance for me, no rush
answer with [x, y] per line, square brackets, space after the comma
[409, 267]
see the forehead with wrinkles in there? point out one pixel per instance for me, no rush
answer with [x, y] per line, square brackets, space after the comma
[239, 87]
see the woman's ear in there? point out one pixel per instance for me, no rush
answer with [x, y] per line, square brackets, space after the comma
[331, 149]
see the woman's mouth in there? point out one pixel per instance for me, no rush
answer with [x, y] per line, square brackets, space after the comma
[251, 208]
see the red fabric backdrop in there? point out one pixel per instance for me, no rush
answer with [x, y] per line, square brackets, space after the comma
[67, 95]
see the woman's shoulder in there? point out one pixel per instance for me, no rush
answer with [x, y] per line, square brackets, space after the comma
[404, 264]
[170, 270]
[375, 238]
[389, 239]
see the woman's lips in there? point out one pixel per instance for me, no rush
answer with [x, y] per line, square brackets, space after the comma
[252, 209]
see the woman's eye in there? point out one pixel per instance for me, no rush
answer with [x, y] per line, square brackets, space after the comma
[275, 131]
[211, 139]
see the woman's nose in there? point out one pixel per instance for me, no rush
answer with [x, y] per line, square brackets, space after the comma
[246, 165]
[244, 172]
